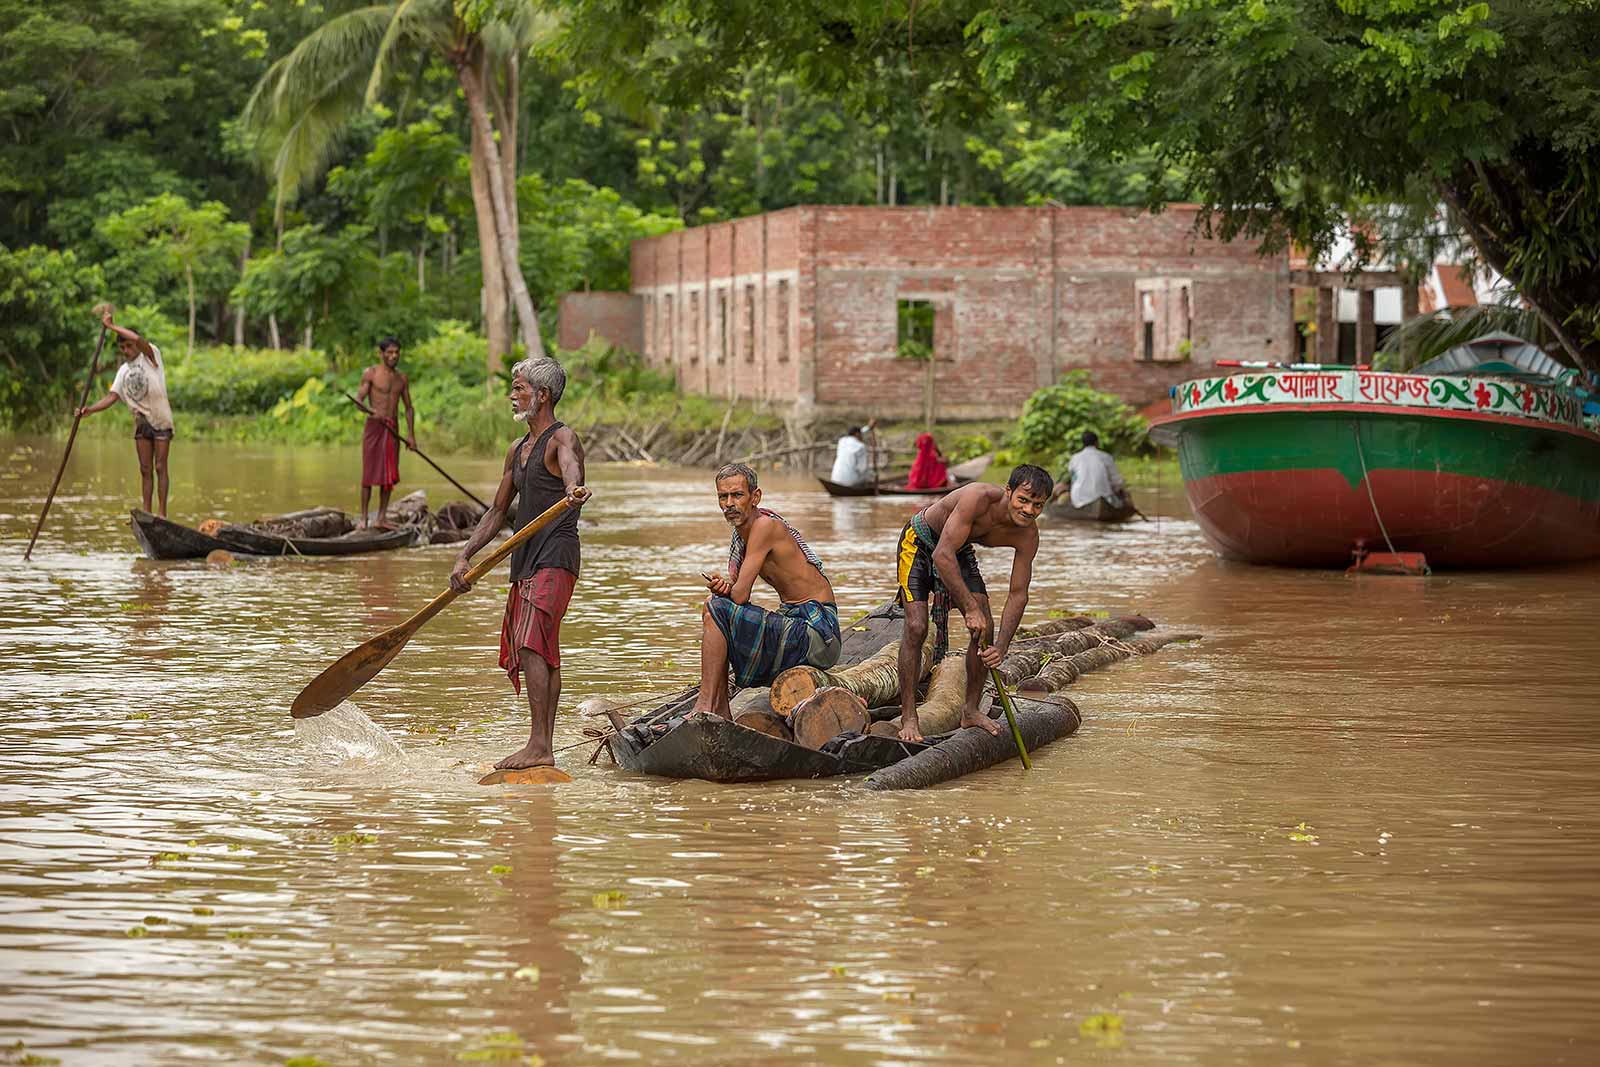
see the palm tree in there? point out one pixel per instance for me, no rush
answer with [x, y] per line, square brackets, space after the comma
[304, 102]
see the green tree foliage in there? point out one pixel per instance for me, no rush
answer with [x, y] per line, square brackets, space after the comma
[1054, 420]
[1286, 115]
[313, 278]
[47, 331]
[578, 237]
[180, 241]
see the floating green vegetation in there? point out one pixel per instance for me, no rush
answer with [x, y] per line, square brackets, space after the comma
[19, 1054]
[1302, 833]
[137, 931]
[352, 839]
[505, 1046]
[239, 935]
[923, 872]
[306, 1061]
[611, 898]
[527, 974]
[201, 909]
[837, 970]
[139, 715]
[1105, 1028]
[500, 868]
[153, 920]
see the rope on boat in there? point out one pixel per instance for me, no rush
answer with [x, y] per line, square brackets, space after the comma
[1366, 479]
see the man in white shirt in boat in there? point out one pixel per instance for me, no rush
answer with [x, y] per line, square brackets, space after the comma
[1092, 475]
[852, 464]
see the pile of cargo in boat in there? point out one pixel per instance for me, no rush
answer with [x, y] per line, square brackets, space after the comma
[320, 531]
[813, 723]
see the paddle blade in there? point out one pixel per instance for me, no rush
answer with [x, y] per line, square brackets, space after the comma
[353, 670]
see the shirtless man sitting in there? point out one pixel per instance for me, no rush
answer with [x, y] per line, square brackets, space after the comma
[761, 644]
[935, 553]
[385, 387]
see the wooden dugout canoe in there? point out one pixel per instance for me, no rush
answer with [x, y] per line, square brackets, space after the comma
[163, 539]
[1100, 510]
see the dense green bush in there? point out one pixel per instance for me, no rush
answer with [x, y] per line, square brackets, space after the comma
[237, 381]
[47, 333]
[1054, 420]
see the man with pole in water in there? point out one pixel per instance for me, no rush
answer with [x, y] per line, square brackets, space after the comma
[935, 561]
[385, 387]
[541, 469]
[760, 644]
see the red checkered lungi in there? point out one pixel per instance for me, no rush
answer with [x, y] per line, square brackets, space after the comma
[534, 608]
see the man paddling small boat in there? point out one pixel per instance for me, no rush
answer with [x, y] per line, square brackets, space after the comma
[543, 468]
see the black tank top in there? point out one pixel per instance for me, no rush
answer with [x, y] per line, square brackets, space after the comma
[537, 490]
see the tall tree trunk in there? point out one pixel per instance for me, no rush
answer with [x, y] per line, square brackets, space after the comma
[496, 325]
[422, 266]
[238, 312]
[273, 337]
[188, 276]
[470, 75]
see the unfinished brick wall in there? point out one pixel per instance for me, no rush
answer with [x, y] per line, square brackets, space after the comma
[801, 305]
[615, 317]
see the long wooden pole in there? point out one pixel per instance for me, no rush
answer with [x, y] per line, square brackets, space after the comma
[396, 431]
[88, 383]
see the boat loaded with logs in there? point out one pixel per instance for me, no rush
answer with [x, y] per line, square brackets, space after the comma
[814, 723]
[321, 531]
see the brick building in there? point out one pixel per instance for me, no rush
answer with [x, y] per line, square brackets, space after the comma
[827, 308]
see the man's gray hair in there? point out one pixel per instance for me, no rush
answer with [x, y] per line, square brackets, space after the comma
[728, 470]
[542, 372]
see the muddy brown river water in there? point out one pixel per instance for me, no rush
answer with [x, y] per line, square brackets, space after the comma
[1359, 823]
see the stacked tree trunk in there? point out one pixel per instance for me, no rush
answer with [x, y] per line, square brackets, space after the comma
[810, 706]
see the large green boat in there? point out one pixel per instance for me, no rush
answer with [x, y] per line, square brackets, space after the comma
[1492, 464]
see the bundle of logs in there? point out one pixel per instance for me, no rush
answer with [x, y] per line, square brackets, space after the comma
[810, 707]
[453, 522]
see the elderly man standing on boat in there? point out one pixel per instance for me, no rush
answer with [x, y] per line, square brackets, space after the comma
[541, 469]
[757, 643]
[935, 562]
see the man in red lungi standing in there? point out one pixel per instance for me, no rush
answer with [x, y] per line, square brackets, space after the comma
[541, 469]
[383, 388]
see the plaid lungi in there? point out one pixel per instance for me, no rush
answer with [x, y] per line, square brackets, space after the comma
[762, 644]
[534, 608]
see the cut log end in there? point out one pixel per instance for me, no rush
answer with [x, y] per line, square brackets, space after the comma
[828, 713]
[526, 776]
[793, 686]
[766, 722]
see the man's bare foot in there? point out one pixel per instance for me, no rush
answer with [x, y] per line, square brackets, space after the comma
[711, 711]
[527, 757]
[980, 720]
[910, 729]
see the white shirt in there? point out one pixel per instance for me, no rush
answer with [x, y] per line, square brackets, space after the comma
[852, 465]
[1094, 475]
[144, 389]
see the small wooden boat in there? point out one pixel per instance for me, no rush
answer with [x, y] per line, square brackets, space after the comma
[163, 539]
[895, 485]
[1101, 510]
[670, 744]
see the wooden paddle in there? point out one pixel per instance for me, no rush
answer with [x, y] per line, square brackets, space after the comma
[395, 430]
[355, 669]
[88, 383]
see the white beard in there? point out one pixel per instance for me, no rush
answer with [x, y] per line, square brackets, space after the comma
[521, 416]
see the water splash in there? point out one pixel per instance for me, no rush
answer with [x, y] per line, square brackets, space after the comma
[345, 733]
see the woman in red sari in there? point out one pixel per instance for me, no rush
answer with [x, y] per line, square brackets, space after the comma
[928, 470]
